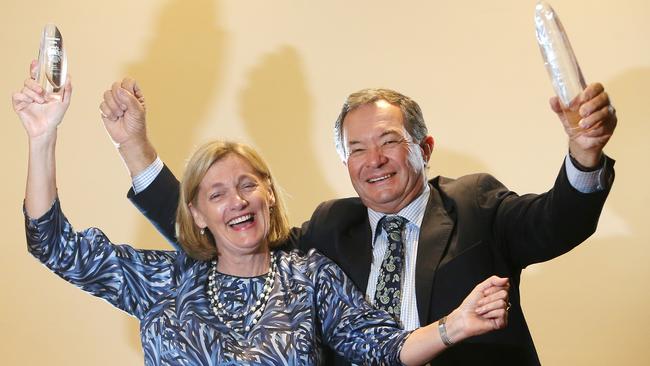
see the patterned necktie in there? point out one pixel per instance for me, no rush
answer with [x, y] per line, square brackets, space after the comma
[388, 293]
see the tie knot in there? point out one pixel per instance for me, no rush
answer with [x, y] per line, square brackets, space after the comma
[393, 224]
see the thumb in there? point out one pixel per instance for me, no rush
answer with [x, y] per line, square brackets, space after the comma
[67, 91]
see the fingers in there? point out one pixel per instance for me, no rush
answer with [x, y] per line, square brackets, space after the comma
[33, 90]
[111, 102]
[594, 104]
[493, 302]
[495, 297]
[109, 106]
[33, 69]
[19, 101]
[117, 97]
[597, 108]
[487, 293]
[554, 102]
[591, 91]
[129, 85]
[493, 281]
[497, 312]
[106, 112]
[499, 319]
[596, 119]
[128, 101]
[30, 93]
[123, 97]
[138, 92]
[605, 117]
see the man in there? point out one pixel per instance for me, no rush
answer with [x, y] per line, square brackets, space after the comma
[444, 236]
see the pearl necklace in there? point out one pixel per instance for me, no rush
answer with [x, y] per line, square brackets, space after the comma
[226, 316]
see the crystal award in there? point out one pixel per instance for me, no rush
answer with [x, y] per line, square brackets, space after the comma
[52, 67]
[559, 60]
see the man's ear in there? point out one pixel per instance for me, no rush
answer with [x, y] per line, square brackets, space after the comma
[427, 148]
[199, 219]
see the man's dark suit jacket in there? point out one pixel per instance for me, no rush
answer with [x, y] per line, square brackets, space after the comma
[473, 227]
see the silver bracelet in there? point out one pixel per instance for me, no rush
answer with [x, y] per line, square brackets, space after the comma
[443, 332]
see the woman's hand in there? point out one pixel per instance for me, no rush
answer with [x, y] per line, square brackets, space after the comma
[39, 112]
[483, 310]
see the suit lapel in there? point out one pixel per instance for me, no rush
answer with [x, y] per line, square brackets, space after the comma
[435, 232]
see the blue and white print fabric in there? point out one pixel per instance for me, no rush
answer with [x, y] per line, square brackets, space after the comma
[312, 302]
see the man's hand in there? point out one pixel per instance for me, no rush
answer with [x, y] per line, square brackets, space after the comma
[124, 113]
[597, 124]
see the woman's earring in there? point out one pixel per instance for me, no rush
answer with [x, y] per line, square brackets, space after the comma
[202, 231]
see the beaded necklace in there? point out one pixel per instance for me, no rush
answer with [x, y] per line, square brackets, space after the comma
[226, 316]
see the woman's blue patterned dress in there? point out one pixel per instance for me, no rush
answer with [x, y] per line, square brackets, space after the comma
[312, 302]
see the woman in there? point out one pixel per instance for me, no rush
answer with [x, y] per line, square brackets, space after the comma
[233, 298]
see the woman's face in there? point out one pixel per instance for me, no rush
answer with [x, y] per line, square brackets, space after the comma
[233, 202]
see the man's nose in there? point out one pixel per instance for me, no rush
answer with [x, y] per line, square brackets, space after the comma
[375, 157]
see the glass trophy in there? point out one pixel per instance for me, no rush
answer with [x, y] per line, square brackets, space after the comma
[560, 61]
[52, 68]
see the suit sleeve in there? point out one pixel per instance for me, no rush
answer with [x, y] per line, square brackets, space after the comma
[535, 228]
[158, 203]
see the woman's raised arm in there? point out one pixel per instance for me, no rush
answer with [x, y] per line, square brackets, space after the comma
[40, 113]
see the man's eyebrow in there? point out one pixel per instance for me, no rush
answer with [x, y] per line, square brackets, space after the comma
[353, 142]
[391, 132]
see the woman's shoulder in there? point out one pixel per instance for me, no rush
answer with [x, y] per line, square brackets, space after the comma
[311, 263]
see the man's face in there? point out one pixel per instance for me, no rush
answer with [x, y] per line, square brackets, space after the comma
[386, 168]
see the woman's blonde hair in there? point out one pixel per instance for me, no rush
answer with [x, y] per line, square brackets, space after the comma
[203, 246]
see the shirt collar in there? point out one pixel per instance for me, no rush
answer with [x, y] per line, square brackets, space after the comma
[413, 212]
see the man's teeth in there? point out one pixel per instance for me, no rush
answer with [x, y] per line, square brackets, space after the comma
[240, 219]
[373, 180]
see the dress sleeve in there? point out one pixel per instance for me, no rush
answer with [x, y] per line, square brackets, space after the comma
[351, 326]
[127, 278]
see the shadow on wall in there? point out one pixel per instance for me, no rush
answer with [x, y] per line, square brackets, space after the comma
[276, 108]
[612, 269]
[180, 73]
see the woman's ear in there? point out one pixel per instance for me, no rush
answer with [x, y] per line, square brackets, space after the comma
[269, 186]
[199, 219]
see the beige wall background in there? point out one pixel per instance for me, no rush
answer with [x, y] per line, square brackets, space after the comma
[273, 74]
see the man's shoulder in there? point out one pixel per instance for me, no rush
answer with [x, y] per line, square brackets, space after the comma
[329, 220]
[461, 185]
[342, 203]
[342, 209]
